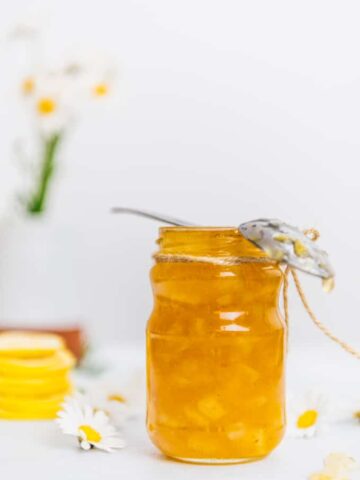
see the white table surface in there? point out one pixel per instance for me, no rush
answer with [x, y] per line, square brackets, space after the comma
[38, 450]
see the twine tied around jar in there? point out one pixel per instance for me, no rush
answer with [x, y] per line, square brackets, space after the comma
[313, 234]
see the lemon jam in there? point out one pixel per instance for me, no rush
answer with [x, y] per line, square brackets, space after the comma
[215, 348]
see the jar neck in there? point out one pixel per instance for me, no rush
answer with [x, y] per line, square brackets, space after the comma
[206, 241]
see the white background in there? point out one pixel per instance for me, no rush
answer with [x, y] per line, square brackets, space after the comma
[224, 112]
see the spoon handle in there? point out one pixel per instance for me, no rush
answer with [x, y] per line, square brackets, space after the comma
[152, 215]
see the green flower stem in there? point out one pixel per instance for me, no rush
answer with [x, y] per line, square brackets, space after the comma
[37, 201]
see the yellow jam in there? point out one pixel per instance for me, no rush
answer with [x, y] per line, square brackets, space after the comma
[215, 349]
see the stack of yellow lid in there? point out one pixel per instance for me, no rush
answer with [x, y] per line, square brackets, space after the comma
[34, 375]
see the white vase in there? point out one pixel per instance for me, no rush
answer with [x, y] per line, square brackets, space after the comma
[38, 286]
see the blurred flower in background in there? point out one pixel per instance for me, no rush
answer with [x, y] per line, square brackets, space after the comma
[49, 89]
[53, 96]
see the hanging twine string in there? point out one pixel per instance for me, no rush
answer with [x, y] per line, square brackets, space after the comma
[286, 299]
[228, 261]
[326, 331]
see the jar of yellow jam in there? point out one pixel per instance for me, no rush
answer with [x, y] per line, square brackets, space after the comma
[215, 348]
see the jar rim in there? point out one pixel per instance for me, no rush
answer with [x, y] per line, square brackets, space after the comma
[206, 241]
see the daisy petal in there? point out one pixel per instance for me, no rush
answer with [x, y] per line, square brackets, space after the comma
[92, 427]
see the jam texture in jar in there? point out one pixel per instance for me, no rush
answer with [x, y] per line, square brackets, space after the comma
[215, 348]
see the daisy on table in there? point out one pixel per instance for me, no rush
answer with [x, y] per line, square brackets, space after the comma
[120, 398]
[91, 427]
[308, 415]
[336, 467]
[350, 409]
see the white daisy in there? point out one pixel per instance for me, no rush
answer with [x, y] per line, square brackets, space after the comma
[307, 416]
[346, 410]
[110, 399]
[52, 99]
[351, 410]
[96, 74]
[336, 467]
[56, 95]
[91, 427]
[120, 399]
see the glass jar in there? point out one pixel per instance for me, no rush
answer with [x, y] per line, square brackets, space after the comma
[215, 348]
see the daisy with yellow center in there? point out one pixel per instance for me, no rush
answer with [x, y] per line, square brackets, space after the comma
[46, 106]
[307, 419]
[91, 426]
[89, 436]
[111, 400]
[120, 398]
[307, 416]
[356, 415]
[101, 89]
[28, 86]
[336, 467]
[116, 397]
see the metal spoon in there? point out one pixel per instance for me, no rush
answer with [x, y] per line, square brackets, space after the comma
[281, 242]
[153, 216]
